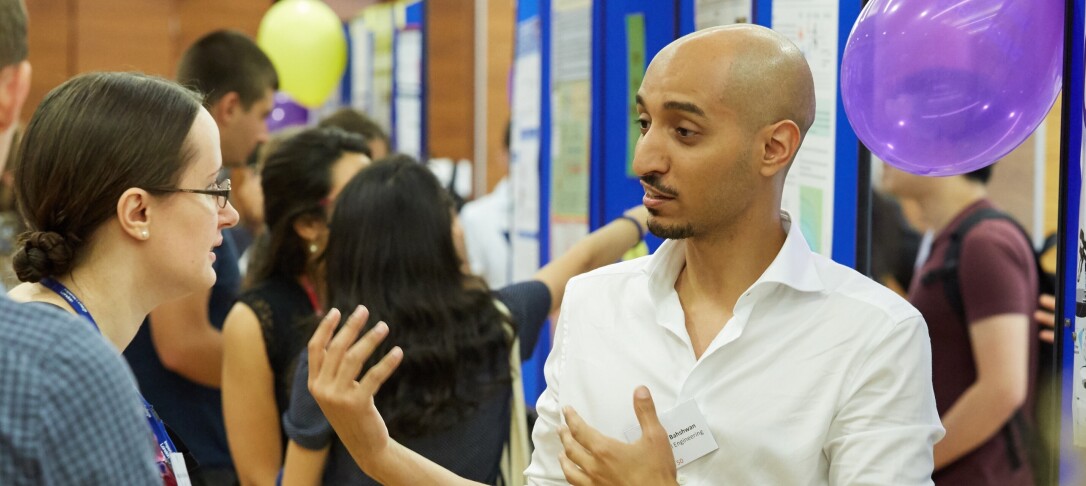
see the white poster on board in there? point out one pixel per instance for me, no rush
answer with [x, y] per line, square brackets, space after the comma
[571, 122]
[808, 190]
[379, 20]
[709, 13]
[361, 65]
[524, 149]
[408, 124]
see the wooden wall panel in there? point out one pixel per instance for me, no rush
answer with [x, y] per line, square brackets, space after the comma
[49, 34]
[68, 37]
[1011, 186]
[1053, 149]
[501, 23]
[450, 78]
[125, 35]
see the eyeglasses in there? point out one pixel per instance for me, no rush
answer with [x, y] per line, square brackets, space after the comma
[220, 191]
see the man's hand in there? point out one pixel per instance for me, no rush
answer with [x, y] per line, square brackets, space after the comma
[1046, 316]
[347, 403]
[591, 458]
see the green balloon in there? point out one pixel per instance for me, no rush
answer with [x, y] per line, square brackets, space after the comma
[305, 41]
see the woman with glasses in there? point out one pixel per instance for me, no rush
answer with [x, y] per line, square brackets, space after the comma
[119, 186]
[392, 247]
[264, 331]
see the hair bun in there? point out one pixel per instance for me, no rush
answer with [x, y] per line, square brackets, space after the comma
[41, 254]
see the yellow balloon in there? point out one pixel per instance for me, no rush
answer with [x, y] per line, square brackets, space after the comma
[305, 41]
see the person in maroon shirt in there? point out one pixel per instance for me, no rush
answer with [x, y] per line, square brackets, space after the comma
[984, 356]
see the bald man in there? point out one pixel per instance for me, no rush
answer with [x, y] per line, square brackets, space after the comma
[800, 370]
[768, 364]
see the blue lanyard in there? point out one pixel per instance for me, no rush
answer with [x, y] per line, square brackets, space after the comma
[71, 299]
[165, 444]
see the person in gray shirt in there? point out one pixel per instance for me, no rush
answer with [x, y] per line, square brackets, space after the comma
[69, 411]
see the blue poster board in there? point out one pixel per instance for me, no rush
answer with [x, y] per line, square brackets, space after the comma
[612, 189]
[1070, 190]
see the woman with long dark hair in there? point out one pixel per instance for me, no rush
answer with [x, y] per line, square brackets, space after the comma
[263, 333]
[119, 185]
[392, 247]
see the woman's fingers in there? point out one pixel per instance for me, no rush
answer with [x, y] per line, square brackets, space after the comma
[319, 342]
[379, 373]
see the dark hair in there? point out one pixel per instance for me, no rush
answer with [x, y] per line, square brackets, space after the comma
[982, 175]
[354, 121]
[296, 180]
[13, 44]
[227, 61]
[391, 249]
[91, 139]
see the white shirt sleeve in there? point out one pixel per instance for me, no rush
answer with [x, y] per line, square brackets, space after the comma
[887, 425]
[544, 468]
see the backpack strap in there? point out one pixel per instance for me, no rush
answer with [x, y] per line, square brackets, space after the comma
[948, 272]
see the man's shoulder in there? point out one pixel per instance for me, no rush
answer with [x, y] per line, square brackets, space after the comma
[60, 352]
[854, 289]
[623, 270]
[34, 327]
[997, 232]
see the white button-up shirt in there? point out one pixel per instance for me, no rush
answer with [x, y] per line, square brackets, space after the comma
[821, 376]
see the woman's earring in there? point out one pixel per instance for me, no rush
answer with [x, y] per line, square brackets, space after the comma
[145, 234]
[313, 248]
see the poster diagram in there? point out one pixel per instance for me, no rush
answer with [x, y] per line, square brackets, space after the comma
[709, 13]
[808, 190]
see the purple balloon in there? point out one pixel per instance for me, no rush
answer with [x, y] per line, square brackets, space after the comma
[285, 113]
[945, 87]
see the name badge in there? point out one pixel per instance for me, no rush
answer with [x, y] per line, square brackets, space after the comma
[687, 431]
[180, 470]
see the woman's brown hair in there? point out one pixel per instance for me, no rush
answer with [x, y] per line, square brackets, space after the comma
[92, 138]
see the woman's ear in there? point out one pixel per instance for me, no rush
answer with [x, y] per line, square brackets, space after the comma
[134, 212]
[309, 228]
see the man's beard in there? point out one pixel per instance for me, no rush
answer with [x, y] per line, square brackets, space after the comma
[675, 232]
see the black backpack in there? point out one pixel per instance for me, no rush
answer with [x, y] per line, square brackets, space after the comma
[1037, 449]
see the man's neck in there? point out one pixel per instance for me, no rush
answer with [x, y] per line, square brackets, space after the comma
[946, 201]
[719, 268]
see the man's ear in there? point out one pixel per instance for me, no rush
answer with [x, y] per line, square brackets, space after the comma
[14, 86]
[134, 212]
[227, 108]
[781, 141]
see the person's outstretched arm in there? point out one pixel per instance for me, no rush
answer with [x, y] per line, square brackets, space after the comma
[601, 247]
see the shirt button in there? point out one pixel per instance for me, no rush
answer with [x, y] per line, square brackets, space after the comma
[681, 479]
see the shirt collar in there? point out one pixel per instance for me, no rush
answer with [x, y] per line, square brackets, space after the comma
[794, 265]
